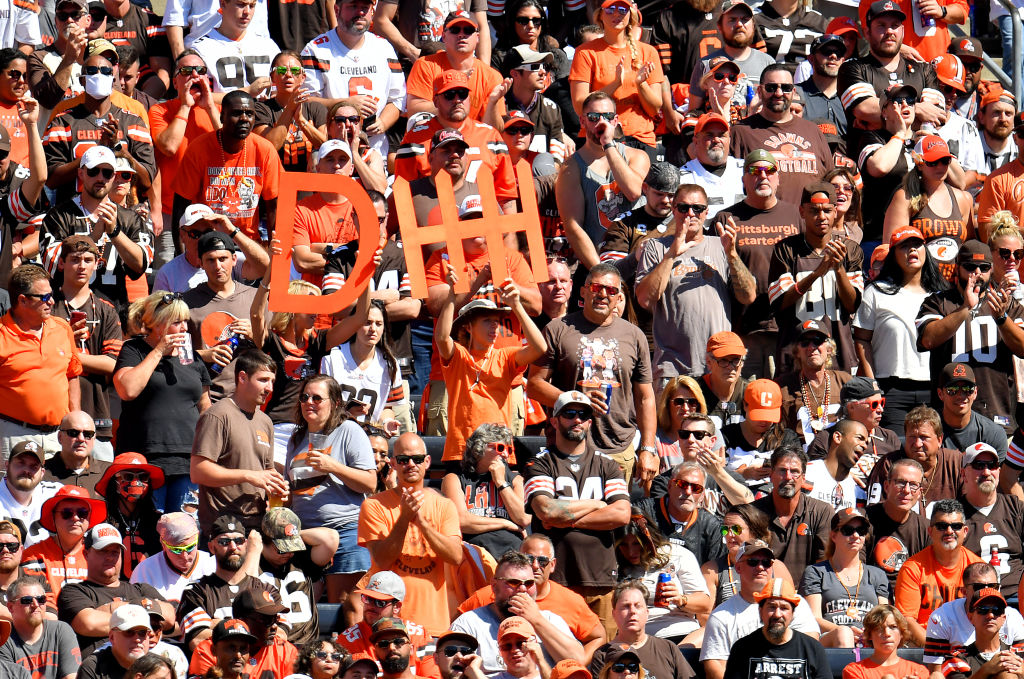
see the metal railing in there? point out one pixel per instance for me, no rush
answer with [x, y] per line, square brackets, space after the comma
[1013, 83]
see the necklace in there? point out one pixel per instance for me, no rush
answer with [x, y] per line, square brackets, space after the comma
[852, 611]
[224, 174]
[480, 366]
[820, 413]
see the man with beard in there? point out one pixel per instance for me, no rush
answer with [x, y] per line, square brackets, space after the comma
[392, 649]
[209, 599]
[962, 426]
[12, 551]
[180, 561]
[231, 170]
[934, 575]
[232, 642]
[777, 650]
[1004, 188]
[820, 92]
[995, 123]
[969, 321]
[799, 147]
[898, 531]
[129, 635]
[515, 592]
[761, 220]
[23, 492]
[712, 168]
[354, 65]
[969, 51]
[47, 648]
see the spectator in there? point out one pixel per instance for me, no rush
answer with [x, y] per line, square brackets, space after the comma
[555, 293]
[820, 92]
[289, 120]
[915, 35]
[680, 398]
[760, 209]
[221, 46]
[825, 584]
[777, 18]
[847, 181]
[128, 486]
[90, 606]
[995, 125]
[129, 640]
[514, 593]
[21, 209]
[1005, 242]
[885, 630]
[908, 276]
[720, 85]
[48, 647]
[751, 443]
[961, 425]
[898, 531]
[322, 659]
[531, 71]
[521, 652]
[933, 576]
[830, 477]
[601, 180]
[23, 493]
[180, 562]
[807, 391]
[988, 654]
[12, 552]
[679, 516]
[392, 649]
[56, 68]
[244, 191]
[345, 124]
[232, 642]
[12, 90]
[712, 168]
[967, 167]
[35, 394]
[128, 67]
[161, 399]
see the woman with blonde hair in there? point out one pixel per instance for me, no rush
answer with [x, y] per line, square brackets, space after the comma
[885, 631]
[681, 396]
[163, 390]
[1007, 245]
[622, 67]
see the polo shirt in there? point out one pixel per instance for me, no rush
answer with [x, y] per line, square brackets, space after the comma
[802, 540]
[34, 371]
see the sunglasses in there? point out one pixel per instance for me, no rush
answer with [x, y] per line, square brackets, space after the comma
[689, 208]
[731, 77]
[11, 547]
[631, 667]
[501, 448]
[616, 9]
[285, 70]
[943, 526]
[15, 74]
[533, 68]
[98, 70]
[450, 651]
[171, 297]
[385, 644]
[181, 549]
[763, 562]
[994, 609]
[859, 529]
[29, 600]
[541, 561]
[983, 585]
[463, 30]
[696, 435]
[767, 170]
[69, 16]
[315, 398]
[512, 645]
[519, 130]
[189, 70]
[815, 341]
[971, 268]
[516, 583]
[972, 66]
[735, 530]
[979, 465]
[529, 21]
[107, 172]
[955, 389]
[324, 655]
[67, 513]
[573, 413]
[772, 88]
[125, 176]
[456, 94]
[341, 120]
[944, 162]
[596, 116]
[1007, 253]
[688, 486]
[377, 603]
[406, 459]
[606, 290]
[903, 100]
[136, 633]
[876, 404]
[75, 433]
[227, 542]
[683, 402]
[131, 477]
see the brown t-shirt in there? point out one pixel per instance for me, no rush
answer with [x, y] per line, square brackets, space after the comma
[943, 482]
[661, 659]
[202, 301]
[890, 543]
[236, 440]
[802, 540]
[799, 147]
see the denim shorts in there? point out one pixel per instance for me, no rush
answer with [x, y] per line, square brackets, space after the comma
[350, 557]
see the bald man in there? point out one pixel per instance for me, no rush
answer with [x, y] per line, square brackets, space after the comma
[76, 465]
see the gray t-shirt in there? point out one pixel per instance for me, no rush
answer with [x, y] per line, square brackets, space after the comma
[694, 307]
[837, 599]
[55, 655]
[323, 499]
[178, 275]
[750, 73]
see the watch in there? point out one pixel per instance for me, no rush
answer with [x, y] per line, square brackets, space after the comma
[234, 233]
[1001, 320]
[504, 486]
[609, 145]
[649, 449]
[116, 232]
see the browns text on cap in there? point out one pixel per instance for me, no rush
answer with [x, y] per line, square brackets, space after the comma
[447, 135]
[932, 147]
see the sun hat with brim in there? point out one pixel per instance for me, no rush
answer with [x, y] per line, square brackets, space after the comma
[476, 308]
[130, 462]
[98, 508]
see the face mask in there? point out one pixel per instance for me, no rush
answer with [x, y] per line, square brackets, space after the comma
[99, 86]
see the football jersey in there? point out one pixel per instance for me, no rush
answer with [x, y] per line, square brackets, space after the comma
[294, 580]
[28, 515]
[141, 29]
[235, 64]
[209, 598]
[861, 78]
[356, 640]
[585, 557]
[20, 23]
[155, 570]
[336, 72]
[996, 532]
[789, 38]
[374, 385]
[950, 631]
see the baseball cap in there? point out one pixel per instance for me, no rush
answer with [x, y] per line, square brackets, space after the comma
[283, 527]
[904, 233]
[5, 139]
[609, 3]
[974, 251]
[30, 447]
[848, 514]
[751, 547]
[212, 241]
[452, 635]
[9, 528]
[153, 609]
[818, 193]
[517, 627]
[995, 94]
[973, 451]
[880, 7]
[450, 80]
[985, 595]
[227, 523]
[251, 601]
[471, 205]
[957, 372]
[716, 64]
[709, 118]
[95, 156]
[77, 3]
[966, 47]
[726, 343]
[564, 669]
[460, 17]
[332, 145]
[730, 5]
[385, 585]
[777, 588]
[121, 164]
[74, 243]
[822, 326]
[828, 40]
[194, 213]
[230, 628]
[858, 389]
[387, 625]
[129, 617]
[618, 651]
[894, 91]
[448, 135]
[102, 536]
[759, 156]
[841, 25]
[950, 71]
[569, 398]
[102, 46]
[763, 401]
[516, 116]
[931, 148]
[523, 54]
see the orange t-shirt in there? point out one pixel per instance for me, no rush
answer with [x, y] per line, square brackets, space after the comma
[1003, 190]
[869, 669]
[317, 221]
[10, 119]
[478, 386]
[34, 371]
[482, 80]
[595, 62]
[160, 118]
[231, 184]
[356, 640]
[560, 600]
[278, 658]
[421, 569]
[929, 46]
[46, 560]
[923, 585]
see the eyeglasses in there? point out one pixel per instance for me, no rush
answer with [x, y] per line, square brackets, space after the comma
[1007, 253]
[541, 561]
[731, 77]
[944, 162]
[315, 398]
[696, 435]
[813, 341]
[965, 389]
[397, 642]
[903, 100]
[189, 70]
[324, 655]
[979, 465]
[943, 526]
[688, 486]
[876, 404]
[70, 16]
[451, 650]
[68, 513]
[971, 267]
[227, 542]
[125, 176]
[859, 529]
[11, 547]
[181, 549]
[406, 459]
[690, 208]
[616, 9]
[993, 609]
[511, 645]
[463, 30]
[606, 290]
[519, 130]
[729, 362]
[15, 74]
[75, 433]
[843, 188]
[533, 68]
[772, 88]
[98, 70]
[598, 116]
[29, 600]
[912, 486]
[285, 70]
[684, 402]
[452, 95]
[107, 172]
[341, 120]
[735, 530]
[767, 170]
[764, 562]
[133, 476]
[377, 603]
[573, 413]
[631, 667]
[516, 583]
[529, 21]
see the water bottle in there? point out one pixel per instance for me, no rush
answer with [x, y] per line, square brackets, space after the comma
[232, 343]
[659, 589]
[995, 561]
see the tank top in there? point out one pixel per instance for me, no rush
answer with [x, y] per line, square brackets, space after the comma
[603, 202]
[728, 580]
[943, 236]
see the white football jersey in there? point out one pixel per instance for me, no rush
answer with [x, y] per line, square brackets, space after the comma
[235, 64]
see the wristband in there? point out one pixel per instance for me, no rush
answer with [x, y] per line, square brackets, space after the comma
[1001, 320]
[609, 145]
[116, 232]
[945, 11]
[181, 117]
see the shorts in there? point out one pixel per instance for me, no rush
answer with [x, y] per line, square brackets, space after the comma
[350, 557]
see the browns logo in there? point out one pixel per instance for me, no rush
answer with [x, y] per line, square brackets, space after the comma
[266, 595]
[890, 554]
[960, 370]
[801, 529]
[988, 528]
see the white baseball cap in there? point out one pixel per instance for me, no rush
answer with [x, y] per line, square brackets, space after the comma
[129, 617]
[570, 397]
[95, 156]
[332, 145]
[195, 212]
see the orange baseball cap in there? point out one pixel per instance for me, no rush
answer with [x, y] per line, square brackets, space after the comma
[708, 119]
[726, 344]
[931, 147]
[450, 80]
[564, 669]
[841, 25]
[763, 401]
[515, 626]
[903, 233]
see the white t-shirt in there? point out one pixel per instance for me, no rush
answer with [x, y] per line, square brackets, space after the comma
[235, 64]
[891, 319]
[373, 385]
[965, 133]
[154, 570]
[21, 25]
[824, 487]
[736, 618]
[723, 191]
[28, 514]
[482, 623]
[948, 625]
[684, 570]
[202, 16]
